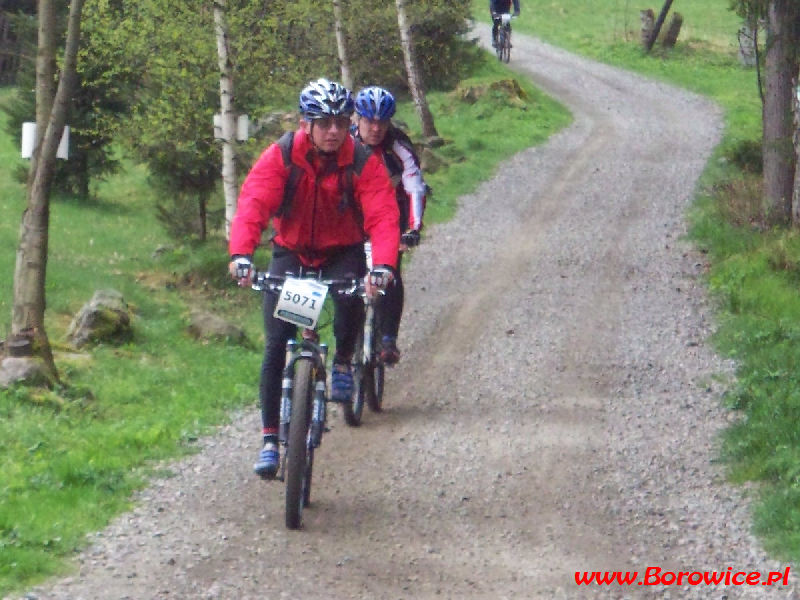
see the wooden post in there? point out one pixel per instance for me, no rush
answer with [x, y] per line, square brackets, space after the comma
[674, 29]
[659, 23]
[648, 18]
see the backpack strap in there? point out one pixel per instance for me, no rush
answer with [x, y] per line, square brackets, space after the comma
[295, 172]
[361, 154]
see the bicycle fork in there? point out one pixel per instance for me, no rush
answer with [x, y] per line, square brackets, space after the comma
[318, 410]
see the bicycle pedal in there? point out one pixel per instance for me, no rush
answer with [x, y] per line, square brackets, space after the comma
[326, 429]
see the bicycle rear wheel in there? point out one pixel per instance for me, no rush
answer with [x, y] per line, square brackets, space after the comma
[353, 409]
[373, 379]
[300, 451]
[375, 398]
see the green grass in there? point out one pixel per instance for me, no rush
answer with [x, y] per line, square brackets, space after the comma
[71, 457]
[754, 276]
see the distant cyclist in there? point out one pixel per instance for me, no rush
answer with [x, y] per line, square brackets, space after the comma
[375, 107]
[497, 8]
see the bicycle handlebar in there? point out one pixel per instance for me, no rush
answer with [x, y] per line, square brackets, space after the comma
[264, 281]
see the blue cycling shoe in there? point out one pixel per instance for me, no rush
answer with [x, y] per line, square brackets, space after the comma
[389, 352]
[341, 383]
[268, 460]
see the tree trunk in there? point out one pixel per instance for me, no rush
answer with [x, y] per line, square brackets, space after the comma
[45, 76]
[229, 183]
[341, 45]
[796, 189]
[778, 148]
[414, 80]
[659, 23]
[27, 315]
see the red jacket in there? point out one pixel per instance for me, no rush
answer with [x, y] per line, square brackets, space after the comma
[316, 221]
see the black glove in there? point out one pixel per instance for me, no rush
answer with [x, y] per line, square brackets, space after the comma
[410, 238]
[516, 13]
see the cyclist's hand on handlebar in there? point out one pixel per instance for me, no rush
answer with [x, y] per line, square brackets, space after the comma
[516, 13]
[378, 280]
[409, 239]
[241, 269]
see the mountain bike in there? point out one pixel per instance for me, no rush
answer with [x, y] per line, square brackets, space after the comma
[503, 41]
[304, 389]
[368, 368]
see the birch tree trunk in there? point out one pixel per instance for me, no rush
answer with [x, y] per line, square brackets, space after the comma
[28, 309]
[341, 45]
[229, 183]
[778, 147]
[414, 80]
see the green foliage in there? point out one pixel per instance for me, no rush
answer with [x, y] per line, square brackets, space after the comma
[276, 47]
[749, 9]
[437, 30]
[107, 79]
[746, 155]
[170, 126]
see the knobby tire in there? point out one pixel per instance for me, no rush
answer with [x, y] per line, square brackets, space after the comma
[373, 379]
[353, 409]
[299, 453]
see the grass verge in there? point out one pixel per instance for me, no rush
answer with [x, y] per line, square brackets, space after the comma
[71, 457]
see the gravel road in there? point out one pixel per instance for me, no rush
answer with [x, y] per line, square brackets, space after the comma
[557, 408]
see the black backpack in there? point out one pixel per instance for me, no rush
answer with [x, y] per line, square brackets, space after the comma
[361, 154]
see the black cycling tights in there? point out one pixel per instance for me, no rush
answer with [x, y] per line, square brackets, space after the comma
[347, 321]
[390, 306]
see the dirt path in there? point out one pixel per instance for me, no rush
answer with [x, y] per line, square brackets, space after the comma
[554, 412]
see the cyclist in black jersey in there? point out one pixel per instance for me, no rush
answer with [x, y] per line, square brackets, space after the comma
[497, 8]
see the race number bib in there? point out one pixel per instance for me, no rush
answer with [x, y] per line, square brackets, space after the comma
[301, 301]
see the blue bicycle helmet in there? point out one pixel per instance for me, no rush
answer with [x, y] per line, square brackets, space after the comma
[323, 98]
[375, 103]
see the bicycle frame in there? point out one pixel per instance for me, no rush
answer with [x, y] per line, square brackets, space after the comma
[503, 41]
[303, 406]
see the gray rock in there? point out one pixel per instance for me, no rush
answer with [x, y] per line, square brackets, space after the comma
[28, 369]
[204, 325]
[105, 318]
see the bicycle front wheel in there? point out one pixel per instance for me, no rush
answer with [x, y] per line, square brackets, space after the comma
[300, 451]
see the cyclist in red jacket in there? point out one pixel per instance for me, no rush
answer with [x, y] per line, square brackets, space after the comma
[323, 226]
